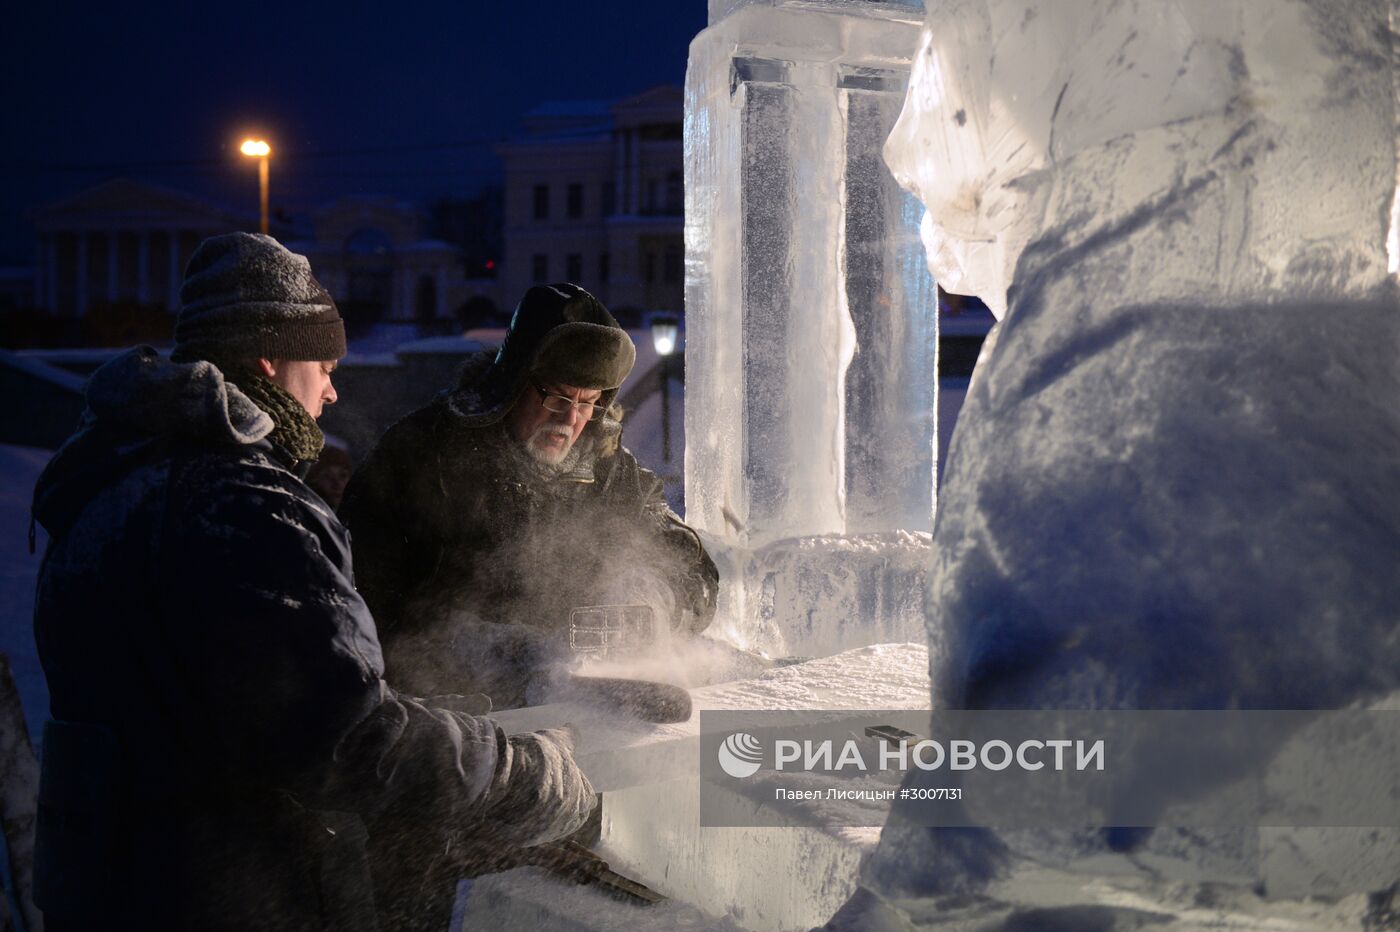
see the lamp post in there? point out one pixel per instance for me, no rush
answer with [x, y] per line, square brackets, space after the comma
[665, 328]
[260, 150]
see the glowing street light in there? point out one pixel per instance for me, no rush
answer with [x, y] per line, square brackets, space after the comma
[665, 328]
[260, 150]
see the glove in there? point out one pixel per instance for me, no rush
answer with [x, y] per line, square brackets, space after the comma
[697, 596]
[540, 794]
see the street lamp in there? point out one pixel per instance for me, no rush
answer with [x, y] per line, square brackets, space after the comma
[665, 329]
[260, 150]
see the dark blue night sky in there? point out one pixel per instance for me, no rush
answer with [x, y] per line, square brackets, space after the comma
[386, 98]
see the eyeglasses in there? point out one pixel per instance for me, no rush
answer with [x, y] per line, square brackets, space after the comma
[562, 404]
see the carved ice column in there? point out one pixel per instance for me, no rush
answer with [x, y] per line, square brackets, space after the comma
[811, 325]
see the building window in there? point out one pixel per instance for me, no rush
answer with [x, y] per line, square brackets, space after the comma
[675, 193]
[673, 270]
[609, 198]
[425, 298]
[660, 131]
[539, 271]
[573, 267]
[653, 201]
[604, 267]
[541, 202]
[574, 201]
[650, 266]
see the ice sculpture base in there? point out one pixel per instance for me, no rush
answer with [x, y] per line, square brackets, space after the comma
[818, 596]
[786, 878]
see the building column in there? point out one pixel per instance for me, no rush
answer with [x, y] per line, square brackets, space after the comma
[334, 283]
[620, 184]
[172, 296]
[635, 167]
[112, 281]
[143, 267]
[45, 274]
[81, 293]
[406, 309]
[39, 271]
[52, 288]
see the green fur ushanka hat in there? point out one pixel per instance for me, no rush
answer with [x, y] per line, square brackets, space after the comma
[560, 334]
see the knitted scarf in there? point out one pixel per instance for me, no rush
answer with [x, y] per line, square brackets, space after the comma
[294, 428]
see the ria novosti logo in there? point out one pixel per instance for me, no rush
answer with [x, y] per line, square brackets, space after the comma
[740, 755]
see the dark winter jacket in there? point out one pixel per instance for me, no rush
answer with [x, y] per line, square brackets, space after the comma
[227, 731]
[457, 533]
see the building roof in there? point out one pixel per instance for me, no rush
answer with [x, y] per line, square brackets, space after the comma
[572, 109]
[376, 201]
[574, 120]
[664, 103]
[137, 204]
[568, 118]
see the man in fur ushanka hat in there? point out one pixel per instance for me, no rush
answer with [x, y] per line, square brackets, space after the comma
[483, 519]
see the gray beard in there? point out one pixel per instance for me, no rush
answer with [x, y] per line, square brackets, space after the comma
[522, 461]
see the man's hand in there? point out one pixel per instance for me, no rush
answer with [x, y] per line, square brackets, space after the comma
[541, 794]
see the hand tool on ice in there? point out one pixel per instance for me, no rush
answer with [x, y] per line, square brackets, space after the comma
[564, 858]
[661, 703]
[574, 862]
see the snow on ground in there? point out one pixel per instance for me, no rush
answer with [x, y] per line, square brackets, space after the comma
[19, 470]
[883, 676]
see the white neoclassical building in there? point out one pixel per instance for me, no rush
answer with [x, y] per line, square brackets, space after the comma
[126, 243]
[372, 255]
[594, 194]
[122, 241]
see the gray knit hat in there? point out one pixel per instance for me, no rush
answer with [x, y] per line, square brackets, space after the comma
[246, 295]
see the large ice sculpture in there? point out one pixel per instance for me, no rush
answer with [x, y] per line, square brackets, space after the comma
[1176, 478]
[811, 344]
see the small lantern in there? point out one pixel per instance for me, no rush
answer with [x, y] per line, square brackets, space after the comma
[665, 331]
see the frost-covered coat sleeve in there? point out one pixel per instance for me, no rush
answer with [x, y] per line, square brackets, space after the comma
[284, 670]
[636, 493]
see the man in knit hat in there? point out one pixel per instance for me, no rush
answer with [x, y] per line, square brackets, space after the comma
[223, 738]
[482, 521]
